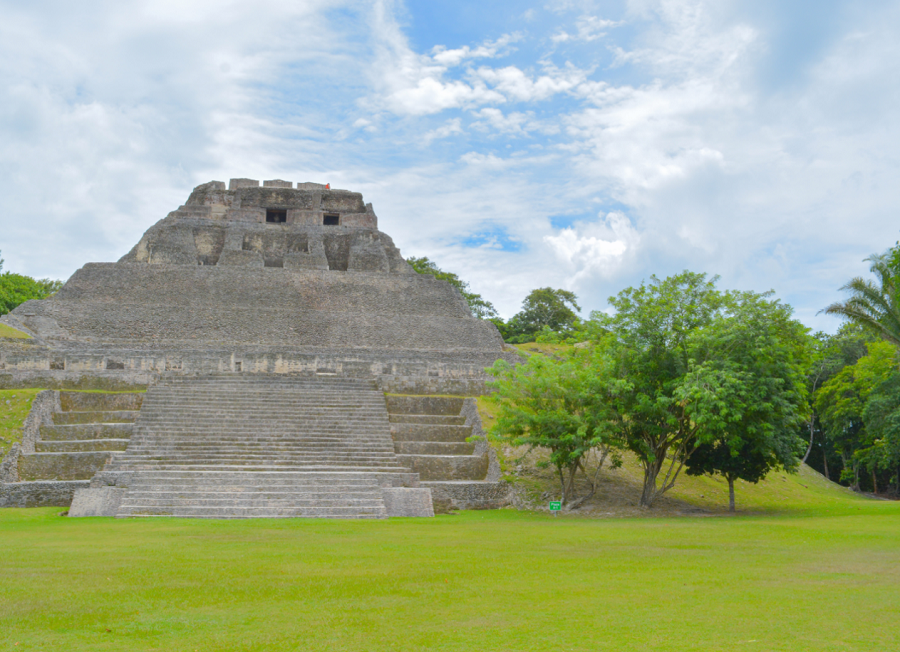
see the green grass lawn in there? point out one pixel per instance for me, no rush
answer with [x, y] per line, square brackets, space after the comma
[481, 581]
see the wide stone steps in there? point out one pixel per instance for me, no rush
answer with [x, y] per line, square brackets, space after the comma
[91, 427]
[232, 446]
[262, 479]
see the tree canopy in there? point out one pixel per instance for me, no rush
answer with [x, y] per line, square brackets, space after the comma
[563, 405]
[544, 309]
[705, 367]
[16, 289]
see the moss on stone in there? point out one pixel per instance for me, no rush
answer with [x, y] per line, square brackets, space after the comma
[12, 333]
[14, 407]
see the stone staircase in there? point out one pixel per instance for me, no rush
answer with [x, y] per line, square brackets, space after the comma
[430, 436]
[238, 446]
[82, 436]
[70, 442]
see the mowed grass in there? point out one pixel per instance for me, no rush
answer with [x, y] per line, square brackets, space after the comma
[502, 580]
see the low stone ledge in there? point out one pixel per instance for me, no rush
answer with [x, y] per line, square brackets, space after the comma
[47, 493]
[102, 501]
[402, 501]
[468, 495]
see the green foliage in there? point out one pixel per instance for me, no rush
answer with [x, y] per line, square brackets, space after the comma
[859, 407]
[481, 308]
[561, 404]
[749, 394]
[875, 306]
[704, 367]
[547, 314]
[16, 289]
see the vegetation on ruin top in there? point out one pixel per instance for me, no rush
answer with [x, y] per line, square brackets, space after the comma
[10, 332]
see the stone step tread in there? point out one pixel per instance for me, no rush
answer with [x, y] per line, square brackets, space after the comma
[259, 514]
[84, 431]
[80, 445]
[426, 419]
[244, 502]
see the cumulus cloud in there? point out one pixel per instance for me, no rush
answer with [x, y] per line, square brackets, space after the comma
[488, 50]
[595, 249]
[516, 85]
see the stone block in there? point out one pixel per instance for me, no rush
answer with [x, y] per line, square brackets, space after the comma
[242, 259]
[305, 261]
[278, 183]
[403, 501]
[102, 501]
[234, 184]
[306, 185]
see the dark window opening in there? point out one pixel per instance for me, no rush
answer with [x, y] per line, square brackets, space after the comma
[331, 220]
[276, 216]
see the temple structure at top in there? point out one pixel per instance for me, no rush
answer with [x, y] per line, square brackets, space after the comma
[271, 278]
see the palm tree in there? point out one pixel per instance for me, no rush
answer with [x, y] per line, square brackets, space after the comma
[875, 307]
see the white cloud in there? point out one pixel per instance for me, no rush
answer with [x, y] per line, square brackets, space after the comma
[488, 50]
[516, 85]
[449, 128]
[588, 28]
[596, 249]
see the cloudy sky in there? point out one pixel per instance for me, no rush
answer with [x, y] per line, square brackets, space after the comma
[577, 144]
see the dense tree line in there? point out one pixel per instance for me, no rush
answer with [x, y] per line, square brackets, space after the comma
[694, 379]
[16, 289]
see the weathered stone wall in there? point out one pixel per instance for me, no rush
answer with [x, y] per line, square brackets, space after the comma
[47, 493]
[191, 239]
[138, 305]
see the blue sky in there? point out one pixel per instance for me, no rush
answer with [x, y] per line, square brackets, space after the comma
[577, 144]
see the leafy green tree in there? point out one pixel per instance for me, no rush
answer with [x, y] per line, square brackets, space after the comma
[881, 416]
[698, 362]
[481, 308]
[654, 327]
[829, 354]
[875, 305]
[749, 392]
[544, 309]
[563, 405]
[841, 403]
[16, 289]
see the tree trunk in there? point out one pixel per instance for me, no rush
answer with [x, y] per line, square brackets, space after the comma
[562, 484]
[731, 494]
[812, 431]
[825, 463]
[651, 471]
[874, 484]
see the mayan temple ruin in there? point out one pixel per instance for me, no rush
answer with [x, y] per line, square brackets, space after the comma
[263, 351]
